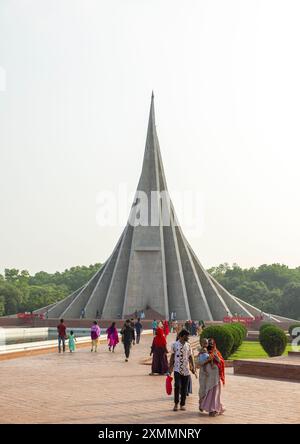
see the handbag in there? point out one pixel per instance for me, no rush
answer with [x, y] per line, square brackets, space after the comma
[169, 380]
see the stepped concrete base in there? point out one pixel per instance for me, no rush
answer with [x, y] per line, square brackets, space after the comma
[274, 368]
[294, 354]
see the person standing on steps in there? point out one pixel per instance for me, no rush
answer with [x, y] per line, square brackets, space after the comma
[181, 362]
[127, 333]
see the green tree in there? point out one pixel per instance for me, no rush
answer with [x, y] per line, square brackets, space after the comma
[290, 302]
[12, 298]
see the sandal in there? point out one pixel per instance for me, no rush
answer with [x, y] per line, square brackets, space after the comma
[175, 408]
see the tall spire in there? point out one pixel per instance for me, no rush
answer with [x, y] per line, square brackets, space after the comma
[152, 265]
[151, 121]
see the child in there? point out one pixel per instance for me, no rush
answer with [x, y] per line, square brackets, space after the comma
[202, 357]
[95, 333]
[204, 354]
[72, 340]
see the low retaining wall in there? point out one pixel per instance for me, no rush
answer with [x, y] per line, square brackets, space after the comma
[42, 347]
[272, 368]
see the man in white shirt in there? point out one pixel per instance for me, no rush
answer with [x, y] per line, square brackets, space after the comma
[181, 361]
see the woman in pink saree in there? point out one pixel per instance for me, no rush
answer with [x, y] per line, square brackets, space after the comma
[212, 373]
[112, 337]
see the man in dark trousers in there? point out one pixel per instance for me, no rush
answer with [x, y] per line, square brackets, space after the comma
[181, 362]
[138, 329]
[127, 333]
[61, 330]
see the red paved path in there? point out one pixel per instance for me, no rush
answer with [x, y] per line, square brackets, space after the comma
[86, 387]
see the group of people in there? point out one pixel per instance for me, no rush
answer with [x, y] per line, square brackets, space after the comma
[209, 361]
[130, 333]
[182, 363]
[164, 325]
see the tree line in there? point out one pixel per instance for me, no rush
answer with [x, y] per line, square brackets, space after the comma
[271, 288]
[20, 292]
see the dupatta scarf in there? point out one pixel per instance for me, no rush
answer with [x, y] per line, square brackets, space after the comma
[159, 339]
[221, 363]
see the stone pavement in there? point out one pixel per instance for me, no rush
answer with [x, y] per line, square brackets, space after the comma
[86, 387]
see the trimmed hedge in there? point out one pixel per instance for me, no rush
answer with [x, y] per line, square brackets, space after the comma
[291, 328]
[273, 340]
[237, 336]
[265, 325]
[241, 327]
[223, 337]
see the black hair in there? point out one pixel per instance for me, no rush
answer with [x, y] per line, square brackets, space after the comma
[182, 333]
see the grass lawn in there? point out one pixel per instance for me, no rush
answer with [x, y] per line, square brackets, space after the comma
[253, 350]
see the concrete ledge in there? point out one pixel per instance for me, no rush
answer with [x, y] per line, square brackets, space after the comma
[274, 368]
[43, 347]
[294, 354]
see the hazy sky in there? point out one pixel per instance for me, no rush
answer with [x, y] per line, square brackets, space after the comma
[74, 113]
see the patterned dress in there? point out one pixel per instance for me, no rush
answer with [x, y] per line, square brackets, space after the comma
[72, 345]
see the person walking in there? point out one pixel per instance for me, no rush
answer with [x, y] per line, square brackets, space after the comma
[133, 335]
[159, 351]
[181, 362]
[95, 334]
[166, 328]
[72, 341]
[61, 330]
[154, 326]
[212, 373]
[138, 330]
[127, 333]
[112, 336]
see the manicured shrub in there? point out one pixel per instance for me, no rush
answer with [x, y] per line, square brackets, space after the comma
[237, 336]
[265, 325]
[223, 337]
[273, 340]
[291, 328]
[241, 327]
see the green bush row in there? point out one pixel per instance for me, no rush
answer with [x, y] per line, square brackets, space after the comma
[228, 337]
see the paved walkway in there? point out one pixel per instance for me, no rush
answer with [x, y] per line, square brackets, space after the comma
[86, 387]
